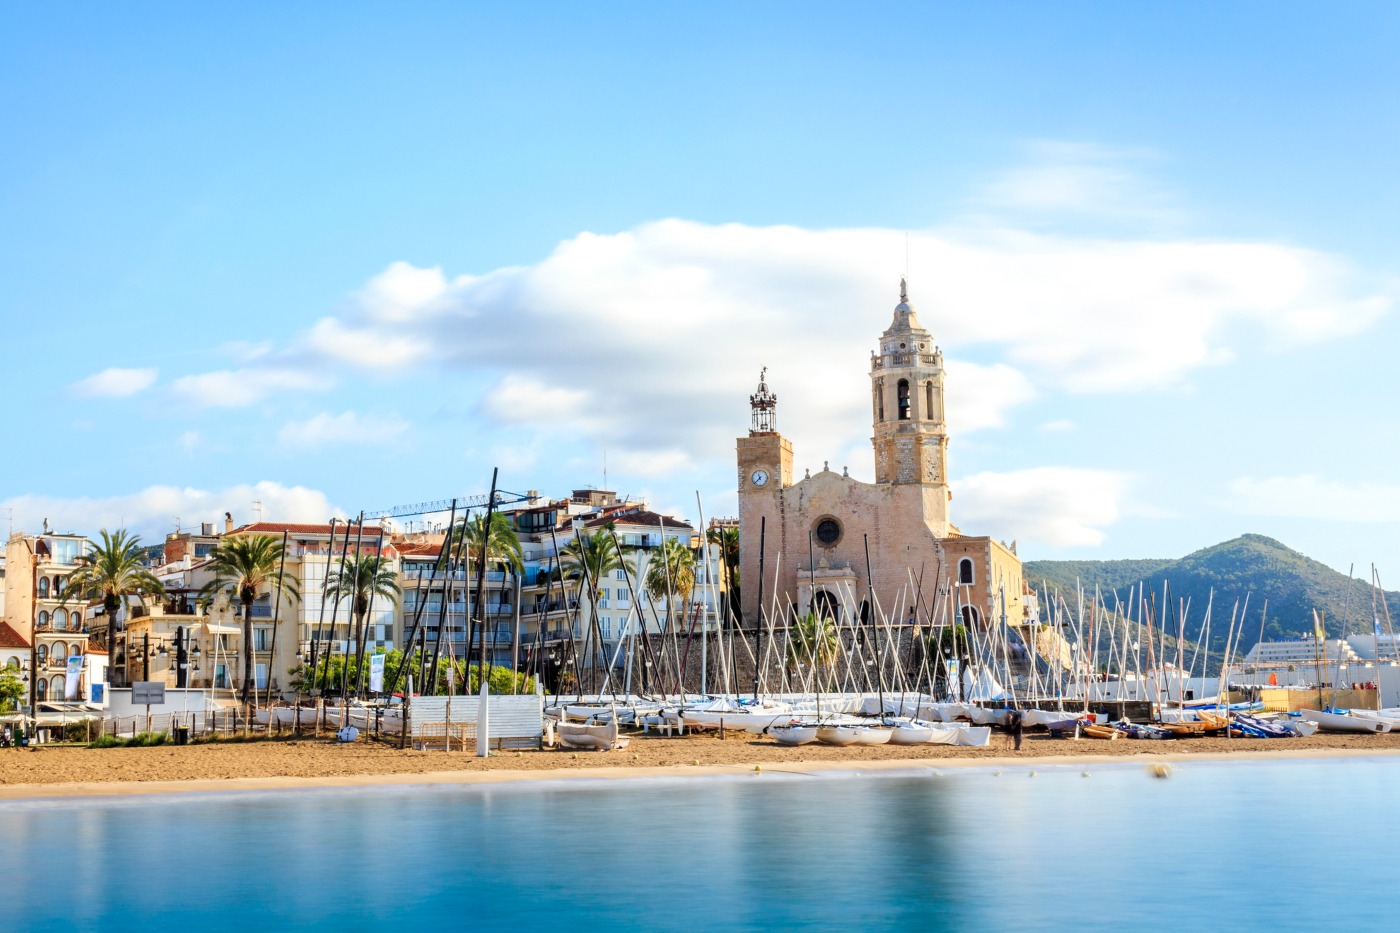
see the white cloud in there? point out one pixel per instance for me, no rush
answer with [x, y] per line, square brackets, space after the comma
[1059, 424]
[345, 428]
[153, 511]
[1044, 506]
[1058, 178]
[650, 340]
[1311, 496]
[237, 388]
[189, 441]
[115, 383]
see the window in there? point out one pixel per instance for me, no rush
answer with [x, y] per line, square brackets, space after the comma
[880, 400]
[928, 400]
[965, 571]
[60, 618]
[13, 662]
[260, 676]
[43, 587]
[828, 531]
[60, 652]
[43, 618]
[262, 639]
[41, 689]
[621, 597]
[903, 392]
[620, 574]
[59, 585]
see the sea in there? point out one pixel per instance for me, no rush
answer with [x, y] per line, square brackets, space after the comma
[1214, 845]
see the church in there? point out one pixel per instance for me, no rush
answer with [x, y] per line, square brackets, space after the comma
[810, 541]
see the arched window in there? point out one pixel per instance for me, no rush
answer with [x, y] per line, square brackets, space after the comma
[43, 620]
[59, 585]
[928, 401]
[880, 400]
[57, 685]
[904, 400]
[60, 651]
[971, 616]
[43, 587]
[60, 618]
[13, 662]
[965, 571]
[41, 689]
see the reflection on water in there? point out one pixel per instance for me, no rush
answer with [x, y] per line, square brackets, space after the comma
[1281, 844]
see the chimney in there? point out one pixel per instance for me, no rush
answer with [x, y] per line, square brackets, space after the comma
[228, 523]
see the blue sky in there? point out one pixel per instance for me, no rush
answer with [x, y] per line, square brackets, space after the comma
[334, 259]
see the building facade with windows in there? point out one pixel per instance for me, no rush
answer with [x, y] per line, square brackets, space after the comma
[804, 542]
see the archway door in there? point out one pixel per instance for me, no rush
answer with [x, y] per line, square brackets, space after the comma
[971, 617]
[825, 605]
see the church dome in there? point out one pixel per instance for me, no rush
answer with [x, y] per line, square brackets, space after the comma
[905, 320]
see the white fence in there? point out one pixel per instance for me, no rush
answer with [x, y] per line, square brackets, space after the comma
[516, 721]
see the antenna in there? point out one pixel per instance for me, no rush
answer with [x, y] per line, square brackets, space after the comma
[257, 504]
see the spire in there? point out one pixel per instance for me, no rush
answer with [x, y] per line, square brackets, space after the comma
[763, 406]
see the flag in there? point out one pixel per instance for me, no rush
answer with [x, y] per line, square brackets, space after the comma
[376, 673]
[1318, 630]
[71, 676]
[1376, 624]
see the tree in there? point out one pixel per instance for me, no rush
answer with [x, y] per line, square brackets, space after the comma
[672, 571]
[727, 537]
[358, 579]
[11, 690]
[247, 565]
[812, 640]
[111, 572]
[592, 556]
[501, 542]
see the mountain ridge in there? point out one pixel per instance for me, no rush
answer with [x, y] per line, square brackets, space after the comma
[1262, 567]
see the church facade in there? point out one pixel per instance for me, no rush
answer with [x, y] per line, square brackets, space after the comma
[851, 550]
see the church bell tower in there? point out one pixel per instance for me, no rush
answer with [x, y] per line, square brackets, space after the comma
[906, 388]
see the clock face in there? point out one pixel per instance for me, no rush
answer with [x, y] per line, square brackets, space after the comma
[759, 477]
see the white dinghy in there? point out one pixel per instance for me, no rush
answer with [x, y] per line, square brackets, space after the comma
[844, 734]
[1340, 722]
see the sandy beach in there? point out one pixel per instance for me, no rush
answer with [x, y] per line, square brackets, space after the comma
[72, 771]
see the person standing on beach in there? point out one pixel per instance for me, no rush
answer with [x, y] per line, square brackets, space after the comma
[1017, 728]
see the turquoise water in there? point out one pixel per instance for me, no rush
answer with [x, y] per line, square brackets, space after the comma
[1282, 845]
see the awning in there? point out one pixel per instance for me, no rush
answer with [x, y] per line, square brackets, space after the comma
[214, 628]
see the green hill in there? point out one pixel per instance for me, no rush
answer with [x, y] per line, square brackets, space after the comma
[1293, 584]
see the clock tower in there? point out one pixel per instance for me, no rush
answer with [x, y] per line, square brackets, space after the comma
[765, 456]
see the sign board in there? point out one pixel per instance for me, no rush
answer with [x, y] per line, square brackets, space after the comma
[147, 693]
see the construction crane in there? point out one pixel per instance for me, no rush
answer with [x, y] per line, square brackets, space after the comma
[443, 505]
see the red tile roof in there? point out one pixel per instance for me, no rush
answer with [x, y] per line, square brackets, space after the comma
[638, 516]
[370, 531]
[9, 638]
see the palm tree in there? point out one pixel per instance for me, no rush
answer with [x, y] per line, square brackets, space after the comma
[502, 543]
[358, 579]
[111, 572]
[812, 640]
[591, 556]
[727, 537]
[247, 565]
[672, 571]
